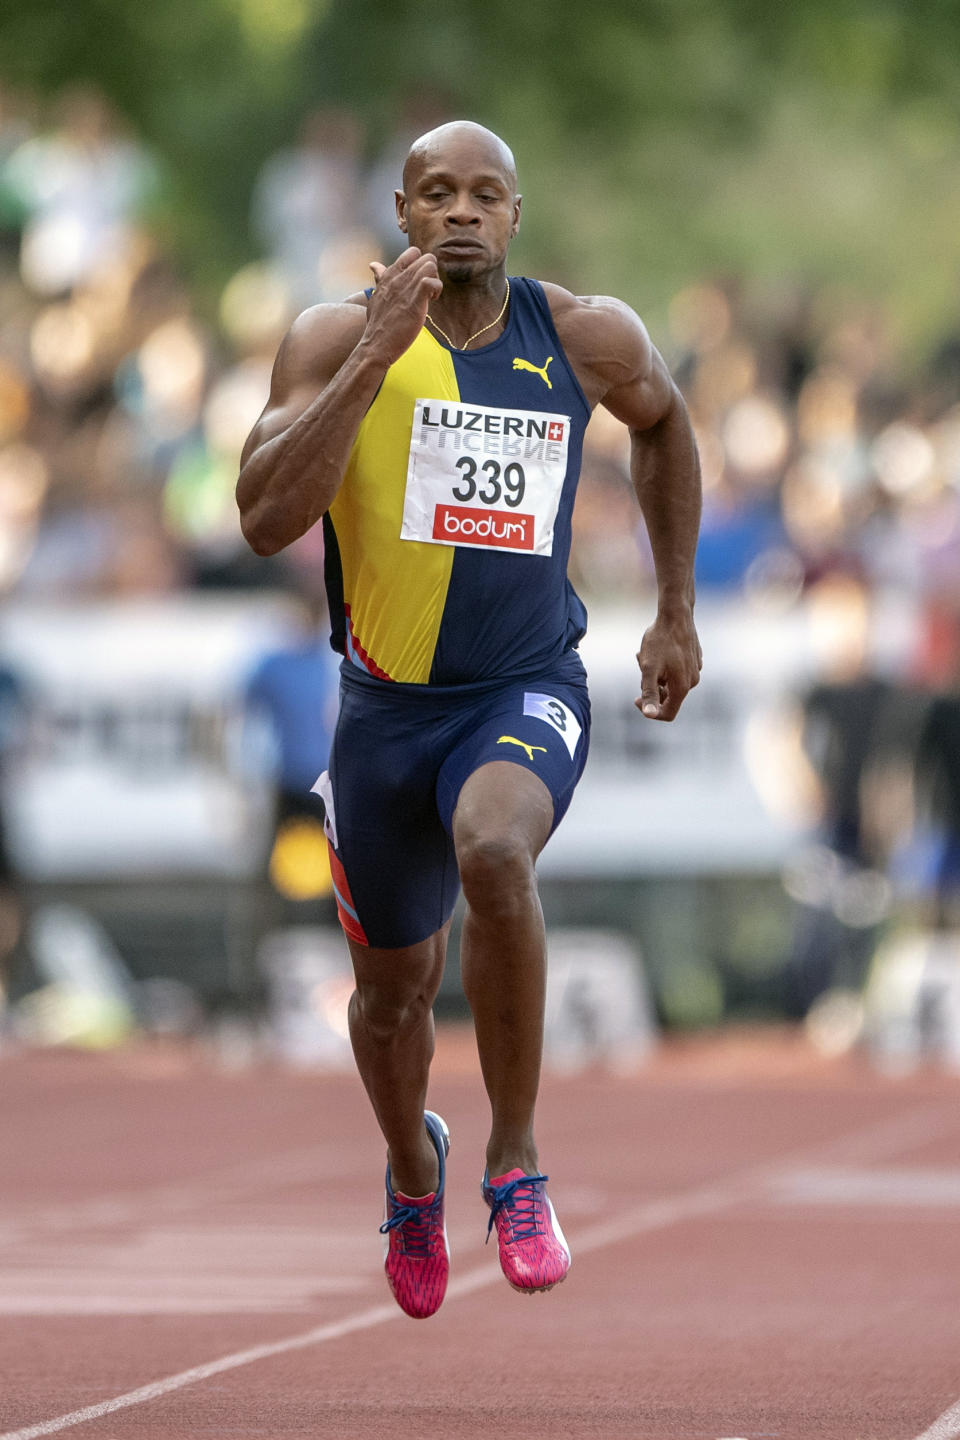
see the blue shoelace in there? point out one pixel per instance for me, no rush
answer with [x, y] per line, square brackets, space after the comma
[416, 1240]
[521, 1195]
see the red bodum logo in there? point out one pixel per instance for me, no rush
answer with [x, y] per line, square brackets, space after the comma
[458, 524]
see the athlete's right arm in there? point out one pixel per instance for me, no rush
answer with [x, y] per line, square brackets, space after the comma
[327, 373]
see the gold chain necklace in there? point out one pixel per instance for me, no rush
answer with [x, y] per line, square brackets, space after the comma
[506, 302]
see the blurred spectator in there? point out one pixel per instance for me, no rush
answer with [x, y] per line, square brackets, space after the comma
[737, 531]
[291, 699]
[854, 743]
[79, 187]
[294, 691]
[844, 714]
[938, 788]
[15, 128]
[119, 548]
[13, 703]
[307, 211]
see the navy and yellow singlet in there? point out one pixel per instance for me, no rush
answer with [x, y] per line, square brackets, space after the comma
[448, 541]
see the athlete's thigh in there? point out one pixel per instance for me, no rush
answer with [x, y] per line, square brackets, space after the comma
[393, 864]
[502, 802]
[393, 980]
[543, 727]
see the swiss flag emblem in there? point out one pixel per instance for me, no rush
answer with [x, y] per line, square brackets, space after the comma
[555, 430]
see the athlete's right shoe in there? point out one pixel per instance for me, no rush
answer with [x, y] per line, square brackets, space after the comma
[416, 1256]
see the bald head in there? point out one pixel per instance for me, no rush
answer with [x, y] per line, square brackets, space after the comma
[455, 141]
[459, 202]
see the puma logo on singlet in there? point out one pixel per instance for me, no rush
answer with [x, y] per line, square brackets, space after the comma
[511, 740]
[540, 370]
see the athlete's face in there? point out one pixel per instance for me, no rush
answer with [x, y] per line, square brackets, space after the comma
[460, 204]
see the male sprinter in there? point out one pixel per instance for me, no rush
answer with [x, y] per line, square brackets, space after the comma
[435, 423]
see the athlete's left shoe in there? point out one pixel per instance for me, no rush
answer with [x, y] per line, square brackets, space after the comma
[416, 1256]
[534, 1254]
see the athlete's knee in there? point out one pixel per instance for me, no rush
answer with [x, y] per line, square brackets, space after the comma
[496, 871]
[388, 1014]
[395, 993]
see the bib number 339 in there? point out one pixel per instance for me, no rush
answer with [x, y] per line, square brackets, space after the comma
[482, 476]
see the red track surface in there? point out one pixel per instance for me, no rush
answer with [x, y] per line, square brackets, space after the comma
[765, 1245]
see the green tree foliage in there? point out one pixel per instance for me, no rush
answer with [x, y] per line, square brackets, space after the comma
[658, 140]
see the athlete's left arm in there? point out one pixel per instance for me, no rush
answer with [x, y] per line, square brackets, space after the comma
[633, 383]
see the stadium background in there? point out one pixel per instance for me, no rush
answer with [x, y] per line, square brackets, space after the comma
[776, 193]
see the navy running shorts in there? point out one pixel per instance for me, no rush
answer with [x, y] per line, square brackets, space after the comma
[400, 756]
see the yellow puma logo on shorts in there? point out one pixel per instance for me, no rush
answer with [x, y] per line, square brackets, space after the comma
[511, 740]
[540, 370]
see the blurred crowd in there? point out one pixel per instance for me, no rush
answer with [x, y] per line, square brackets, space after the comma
[821, 451]
[831, 466]
[122, 411]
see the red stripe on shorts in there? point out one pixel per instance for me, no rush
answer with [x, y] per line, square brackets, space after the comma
[348, 918]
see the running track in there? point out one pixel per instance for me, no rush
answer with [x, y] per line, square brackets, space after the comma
[766, 1245]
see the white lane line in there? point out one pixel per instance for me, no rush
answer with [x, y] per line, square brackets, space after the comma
[365, 1320]
[946, 1428]
[892, 1134]
[888, 1188]
[909, 1128]
[291, 1167]
[912, 1127]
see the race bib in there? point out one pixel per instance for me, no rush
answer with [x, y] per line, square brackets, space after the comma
[483, 476]
[560, 716]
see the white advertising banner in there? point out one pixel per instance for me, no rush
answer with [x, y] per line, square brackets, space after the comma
[133, 764]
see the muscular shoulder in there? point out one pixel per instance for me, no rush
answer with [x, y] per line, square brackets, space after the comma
[321, 338]
[605, 341]
[317, 344]
[617, 365]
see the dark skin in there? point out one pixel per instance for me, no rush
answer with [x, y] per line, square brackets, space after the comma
[460, 209]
